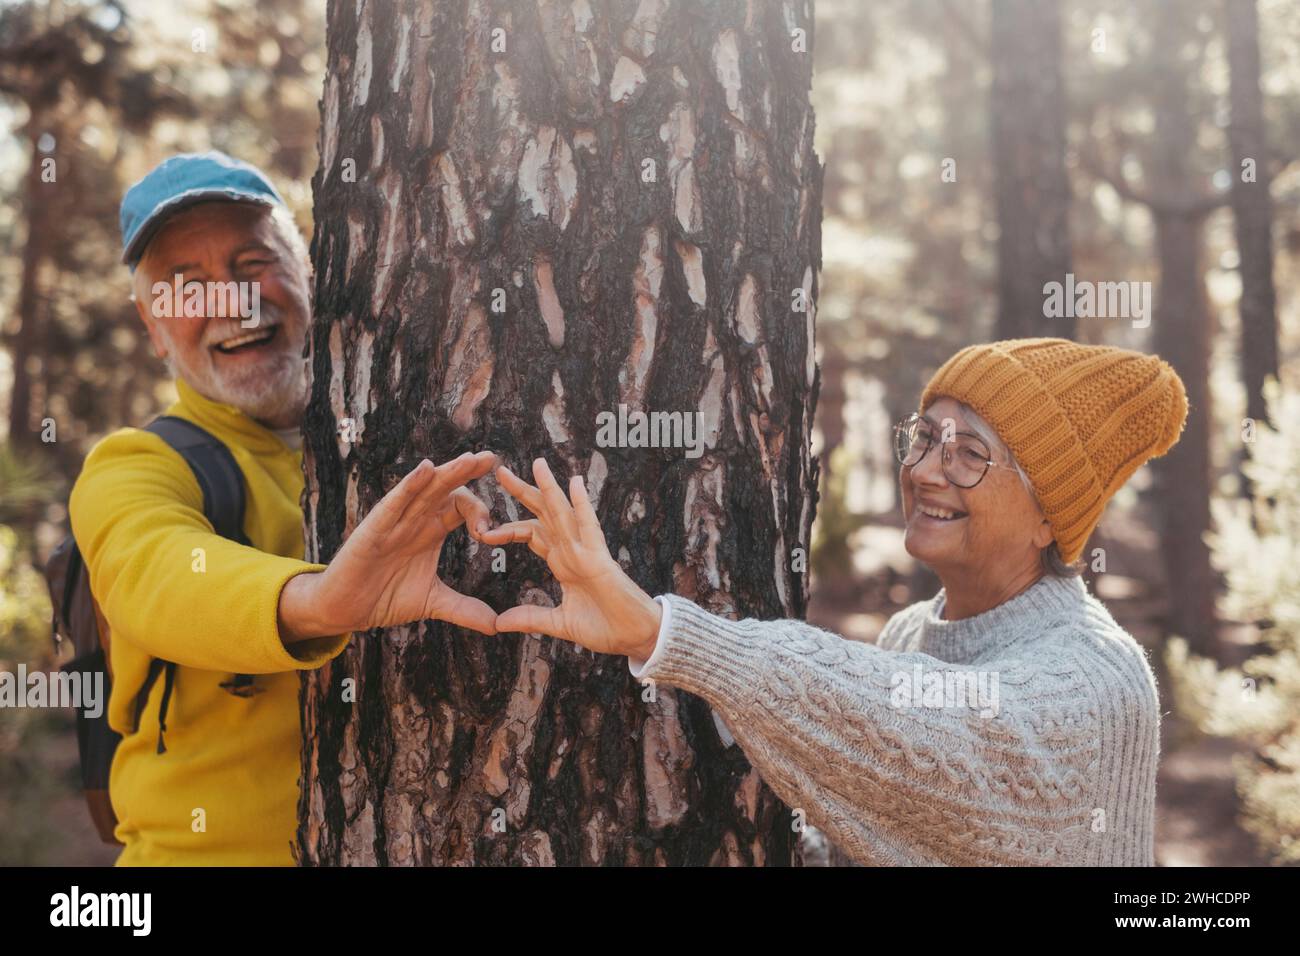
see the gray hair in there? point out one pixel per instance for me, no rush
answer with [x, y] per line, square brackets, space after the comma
[1052, 561]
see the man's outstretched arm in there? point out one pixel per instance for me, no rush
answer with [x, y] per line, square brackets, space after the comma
[157, 567]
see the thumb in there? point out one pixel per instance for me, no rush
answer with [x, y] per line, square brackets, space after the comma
[532, 619]
[466, 611]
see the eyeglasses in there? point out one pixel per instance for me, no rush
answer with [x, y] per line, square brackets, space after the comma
[965, 457]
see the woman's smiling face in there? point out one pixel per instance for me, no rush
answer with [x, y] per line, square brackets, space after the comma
[987, 533]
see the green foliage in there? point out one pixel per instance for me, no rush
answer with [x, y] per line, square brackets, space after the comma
[26, 785]
[24, 606]
[25, 483]
[1257, 546]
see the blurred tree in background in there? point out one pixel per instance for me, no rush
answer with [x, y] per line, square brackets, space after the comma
[1171, 167]
[909, 275]
[92, 95]
[1252, 206]
[95, 94]
[1027, 113]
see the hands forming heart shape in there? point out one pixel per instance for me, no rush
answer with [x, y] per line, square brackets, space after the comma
[386, 573]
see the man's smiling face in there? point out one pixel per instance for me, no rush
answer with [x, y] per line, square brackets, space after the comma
[258, 369]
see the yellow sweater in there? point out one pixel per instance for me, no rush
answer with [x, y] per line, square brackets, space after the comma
[226, 790]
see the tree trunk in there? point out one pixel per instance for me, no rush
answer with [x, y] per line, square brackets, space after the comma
[1252, 205]
[1182, 338]
[559, 208]
[1183, 475]
[31, 304]
[1027, 125]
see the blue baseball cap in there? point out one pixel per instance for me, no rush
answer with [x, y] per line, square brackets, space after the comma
[182, 181]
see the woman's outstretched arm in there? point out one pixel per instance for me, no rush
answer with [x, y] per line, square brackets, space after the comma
[834, 726]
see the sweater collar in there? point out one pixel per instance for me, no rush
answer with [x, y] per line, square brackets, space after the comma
[226, 421]
[957, 641]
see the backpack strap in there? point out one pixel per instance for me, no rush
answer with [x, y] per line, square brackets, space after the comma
[222, 484]
[215, 469]
[166, 699]
[156, 666]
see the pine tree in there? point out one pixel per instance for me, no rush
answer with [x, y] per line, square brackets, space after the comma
[529, 215]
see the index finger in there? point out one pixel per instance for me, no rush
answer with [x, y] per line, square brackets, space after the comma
[560, 509]
[451, 475]
[389, 510]
[530, 496]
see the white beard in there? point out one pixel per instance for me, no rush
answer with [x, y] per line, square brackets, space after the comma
[278, 399]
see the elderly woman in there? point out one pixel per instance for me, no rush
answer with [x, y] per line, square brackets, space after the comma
[1008, 719]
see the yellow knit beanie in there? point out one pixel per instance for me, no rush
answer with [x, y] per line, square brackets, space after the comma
[1080, 419]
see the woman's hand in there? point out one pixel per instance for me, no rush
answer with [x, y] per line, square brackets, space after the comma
[386, 573]
[602, 609]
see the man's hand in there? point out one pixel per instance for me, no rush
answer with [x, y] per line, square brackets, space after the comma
[602, 608]
[386, 573]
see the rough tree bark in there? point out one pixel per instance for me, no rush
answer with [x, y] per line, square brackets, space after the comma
[1027, 125]
[559, 207]
[1252, 204]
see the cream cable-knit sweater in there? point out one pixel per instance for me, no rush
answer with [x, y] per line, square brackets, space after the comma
[1027, 735]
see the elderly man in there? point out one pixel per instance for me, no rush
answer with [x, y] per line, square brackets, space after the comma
[236, 618]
